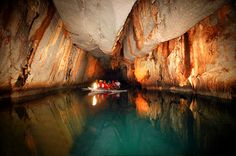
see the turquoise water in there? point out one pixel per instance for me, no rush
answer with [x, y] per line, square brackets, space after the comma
[131, 123]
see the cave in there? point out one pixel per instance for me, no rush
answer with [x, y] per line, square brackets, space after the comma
[175, 61]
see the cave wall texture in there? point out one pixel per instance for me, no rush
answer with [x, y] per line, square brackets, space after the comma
[203, 59]
[153, 22]
[36, 51]
[94, 24]
[185, 45]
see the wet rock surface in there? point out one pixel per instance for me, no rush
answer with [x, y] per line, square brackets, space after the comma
[36, 51]
[202, 60]
[154, 22]
[179, 45]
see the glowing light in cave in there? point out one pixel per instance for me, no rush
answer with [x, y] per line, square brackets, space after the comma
[94, 101]
[95, 85]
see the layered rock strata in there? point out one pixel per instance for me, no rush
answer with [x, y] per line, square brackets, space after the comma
[154, 22]
[202, 60]
[185, 44]
[36, 51]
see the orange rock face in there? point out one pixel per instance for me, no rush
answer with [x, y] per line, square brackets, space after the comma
[154, 22]
[202, 60]
[36, 52]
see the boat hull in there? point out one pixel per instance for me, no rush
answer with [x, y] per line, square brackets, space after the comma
[106, 90]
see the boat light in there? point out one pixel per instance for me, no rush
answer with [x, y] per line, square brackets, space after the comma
[95, 85]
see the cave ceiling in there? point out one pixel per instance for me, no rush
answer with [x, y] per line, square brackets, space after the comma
[96, 25]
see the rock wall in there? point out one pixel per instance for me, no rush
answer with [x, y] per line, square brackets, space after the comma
[202, 60]
[36, 51]
[156, 21]
[183, 44]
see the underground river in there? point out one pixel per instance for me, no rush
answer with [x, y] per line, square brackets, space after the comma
[76, 122]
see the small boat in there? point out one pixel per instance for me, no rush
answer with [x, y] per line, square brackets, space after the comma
[100, 90]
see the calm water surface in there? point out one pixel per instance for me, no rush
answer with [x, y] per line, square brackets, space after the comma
[131, 123]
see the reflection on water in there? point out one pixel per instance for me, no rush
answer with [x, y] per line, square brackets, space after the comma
[94, 100]
[133, 123]
[42, 127]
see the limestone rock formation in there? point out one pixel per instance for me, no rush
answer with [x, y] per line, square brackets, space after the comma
[94, 24]
[184, 44]
[203, 59]
[153, 22]
[36, 51]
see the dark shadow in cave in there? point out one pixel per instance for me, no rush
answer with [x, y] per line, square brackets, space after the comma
[120, 74]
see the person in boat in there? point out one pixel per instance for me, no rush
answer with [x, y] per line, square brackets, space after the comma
[105, 84]
[96, 84]
[113, 85]
[100, 84]
[109, 85]
[117, 83]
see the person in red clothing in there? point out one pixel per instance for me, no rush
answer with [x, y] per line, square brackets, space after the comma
[113, 85]
[109, 85]
[100, 84]
[105, 85]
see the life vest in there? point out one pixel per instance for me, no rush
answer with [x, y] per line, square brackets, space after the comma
[103, 85]
[106, 86]
[100, 84]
